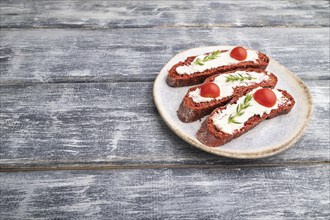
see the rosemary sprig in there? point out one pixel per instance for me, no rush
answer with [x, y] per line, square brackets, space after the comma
[240, 109]
[209, 57]
[240, 77]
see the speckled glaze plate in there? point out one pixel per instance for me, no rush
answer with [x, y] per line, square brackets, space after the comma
[268, 138]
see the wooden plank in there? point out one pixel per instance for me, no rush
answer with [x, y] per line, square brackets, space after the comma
[117, 124]
[254, 193]
[139, 54]
[118, 14]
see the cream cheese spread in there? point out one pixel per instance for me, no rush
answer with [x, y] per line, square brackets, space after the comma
[220, 119]
[223, 59]
[227, 88]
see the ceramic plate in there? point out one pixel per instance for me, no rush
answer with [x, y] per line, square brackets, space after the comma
[268, 138]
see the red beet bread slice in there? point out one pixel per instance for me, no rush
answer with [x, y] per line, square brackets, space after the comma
[212, 136]
[174, 79]
[190, 111]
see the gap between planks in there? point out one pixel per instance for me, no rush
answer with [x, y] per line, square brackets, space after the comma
[157, 166]
[91, 81]
[91, 27]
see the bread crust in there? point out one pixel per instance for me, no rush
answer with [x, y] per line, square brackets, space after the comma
[176, 80]
[190, 111]
[209, 135]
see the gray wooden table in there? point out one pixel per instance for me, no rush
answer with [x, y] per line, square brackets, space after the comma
[81, 137]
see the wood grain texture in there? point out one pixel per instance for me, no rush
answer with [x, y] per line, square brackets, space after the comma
[47, 125]
[119, 14]
[139, 54]
[257, 193]
[75, 93]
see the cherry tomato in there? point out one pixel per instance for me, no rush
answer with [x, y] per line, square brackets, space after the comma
[265, 97]
[238, 53]
[210, 90]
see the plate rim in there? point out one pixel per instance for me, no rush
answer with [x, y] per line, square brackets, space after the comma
[238, 155]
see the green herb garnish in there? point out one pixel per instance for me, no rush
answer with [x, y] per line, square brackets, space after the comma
[209, 57]
[240, 110]
[240, 77]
